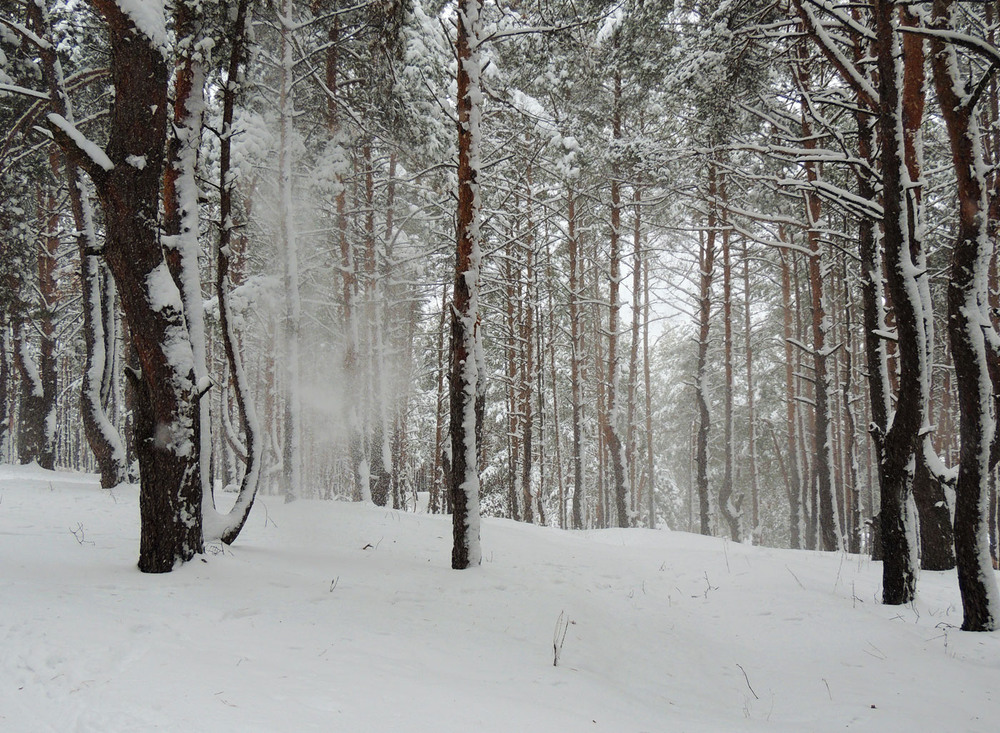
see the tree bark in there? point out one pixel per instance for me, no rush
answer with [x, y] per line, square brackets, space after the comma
[467, 374]
[166, 425]
[971, 335]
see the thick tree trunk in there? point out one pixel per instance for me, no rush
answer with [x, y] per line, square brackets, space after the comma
[971, 337]
[900, 442]
[167, 428]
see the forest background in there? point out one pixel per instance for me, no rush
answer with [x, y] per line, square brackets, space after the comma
[676, 264]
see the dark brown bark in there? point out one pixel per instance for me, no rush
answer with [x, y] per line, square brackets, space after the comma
[166, 424]
[899, 443]
[826, 505]
[966, 302]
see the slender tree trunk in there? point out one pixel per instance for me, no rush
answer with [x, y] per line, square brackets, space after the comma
[728, 507]
[292, 448]
[633, 362]
[648, 391]
[829, 527]
[48, 291]
[751, 411]
[576, 355]
[467, 375]
[246, 408]
[439, 481]
[611, 428]
[706, 260]
[794, 484]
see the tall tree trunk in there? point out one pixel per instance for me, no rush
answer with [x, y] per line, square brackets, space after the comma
[751, 411]
[48, 291]
[292, 449]
[181, 211]
[973, 342]
[829, 527]
[527, 377]
[633, 361]
[237, 516]
[576, 355]
[467, 373]
[166, 423]
[647, 384]
[794, 485]
[611, 429]
[902, 256]
[706, 262]
[728, 507]
[937, 544]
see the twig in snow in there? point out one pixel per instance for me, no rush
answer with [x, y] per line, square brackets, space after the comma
[333, 584]
[559, 637]
[708, 585]
[827, 688]
[839, 571]
[796, 577]
[745, 677]
[79, 534]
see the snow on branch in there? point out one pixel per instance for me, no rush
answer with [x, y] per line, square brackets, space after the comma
[971, 43]
[27, 33]
[90, 156]
[23, 91]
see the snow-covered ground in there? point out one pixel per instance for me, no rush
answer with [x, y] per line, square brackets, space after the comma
[341, 617]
